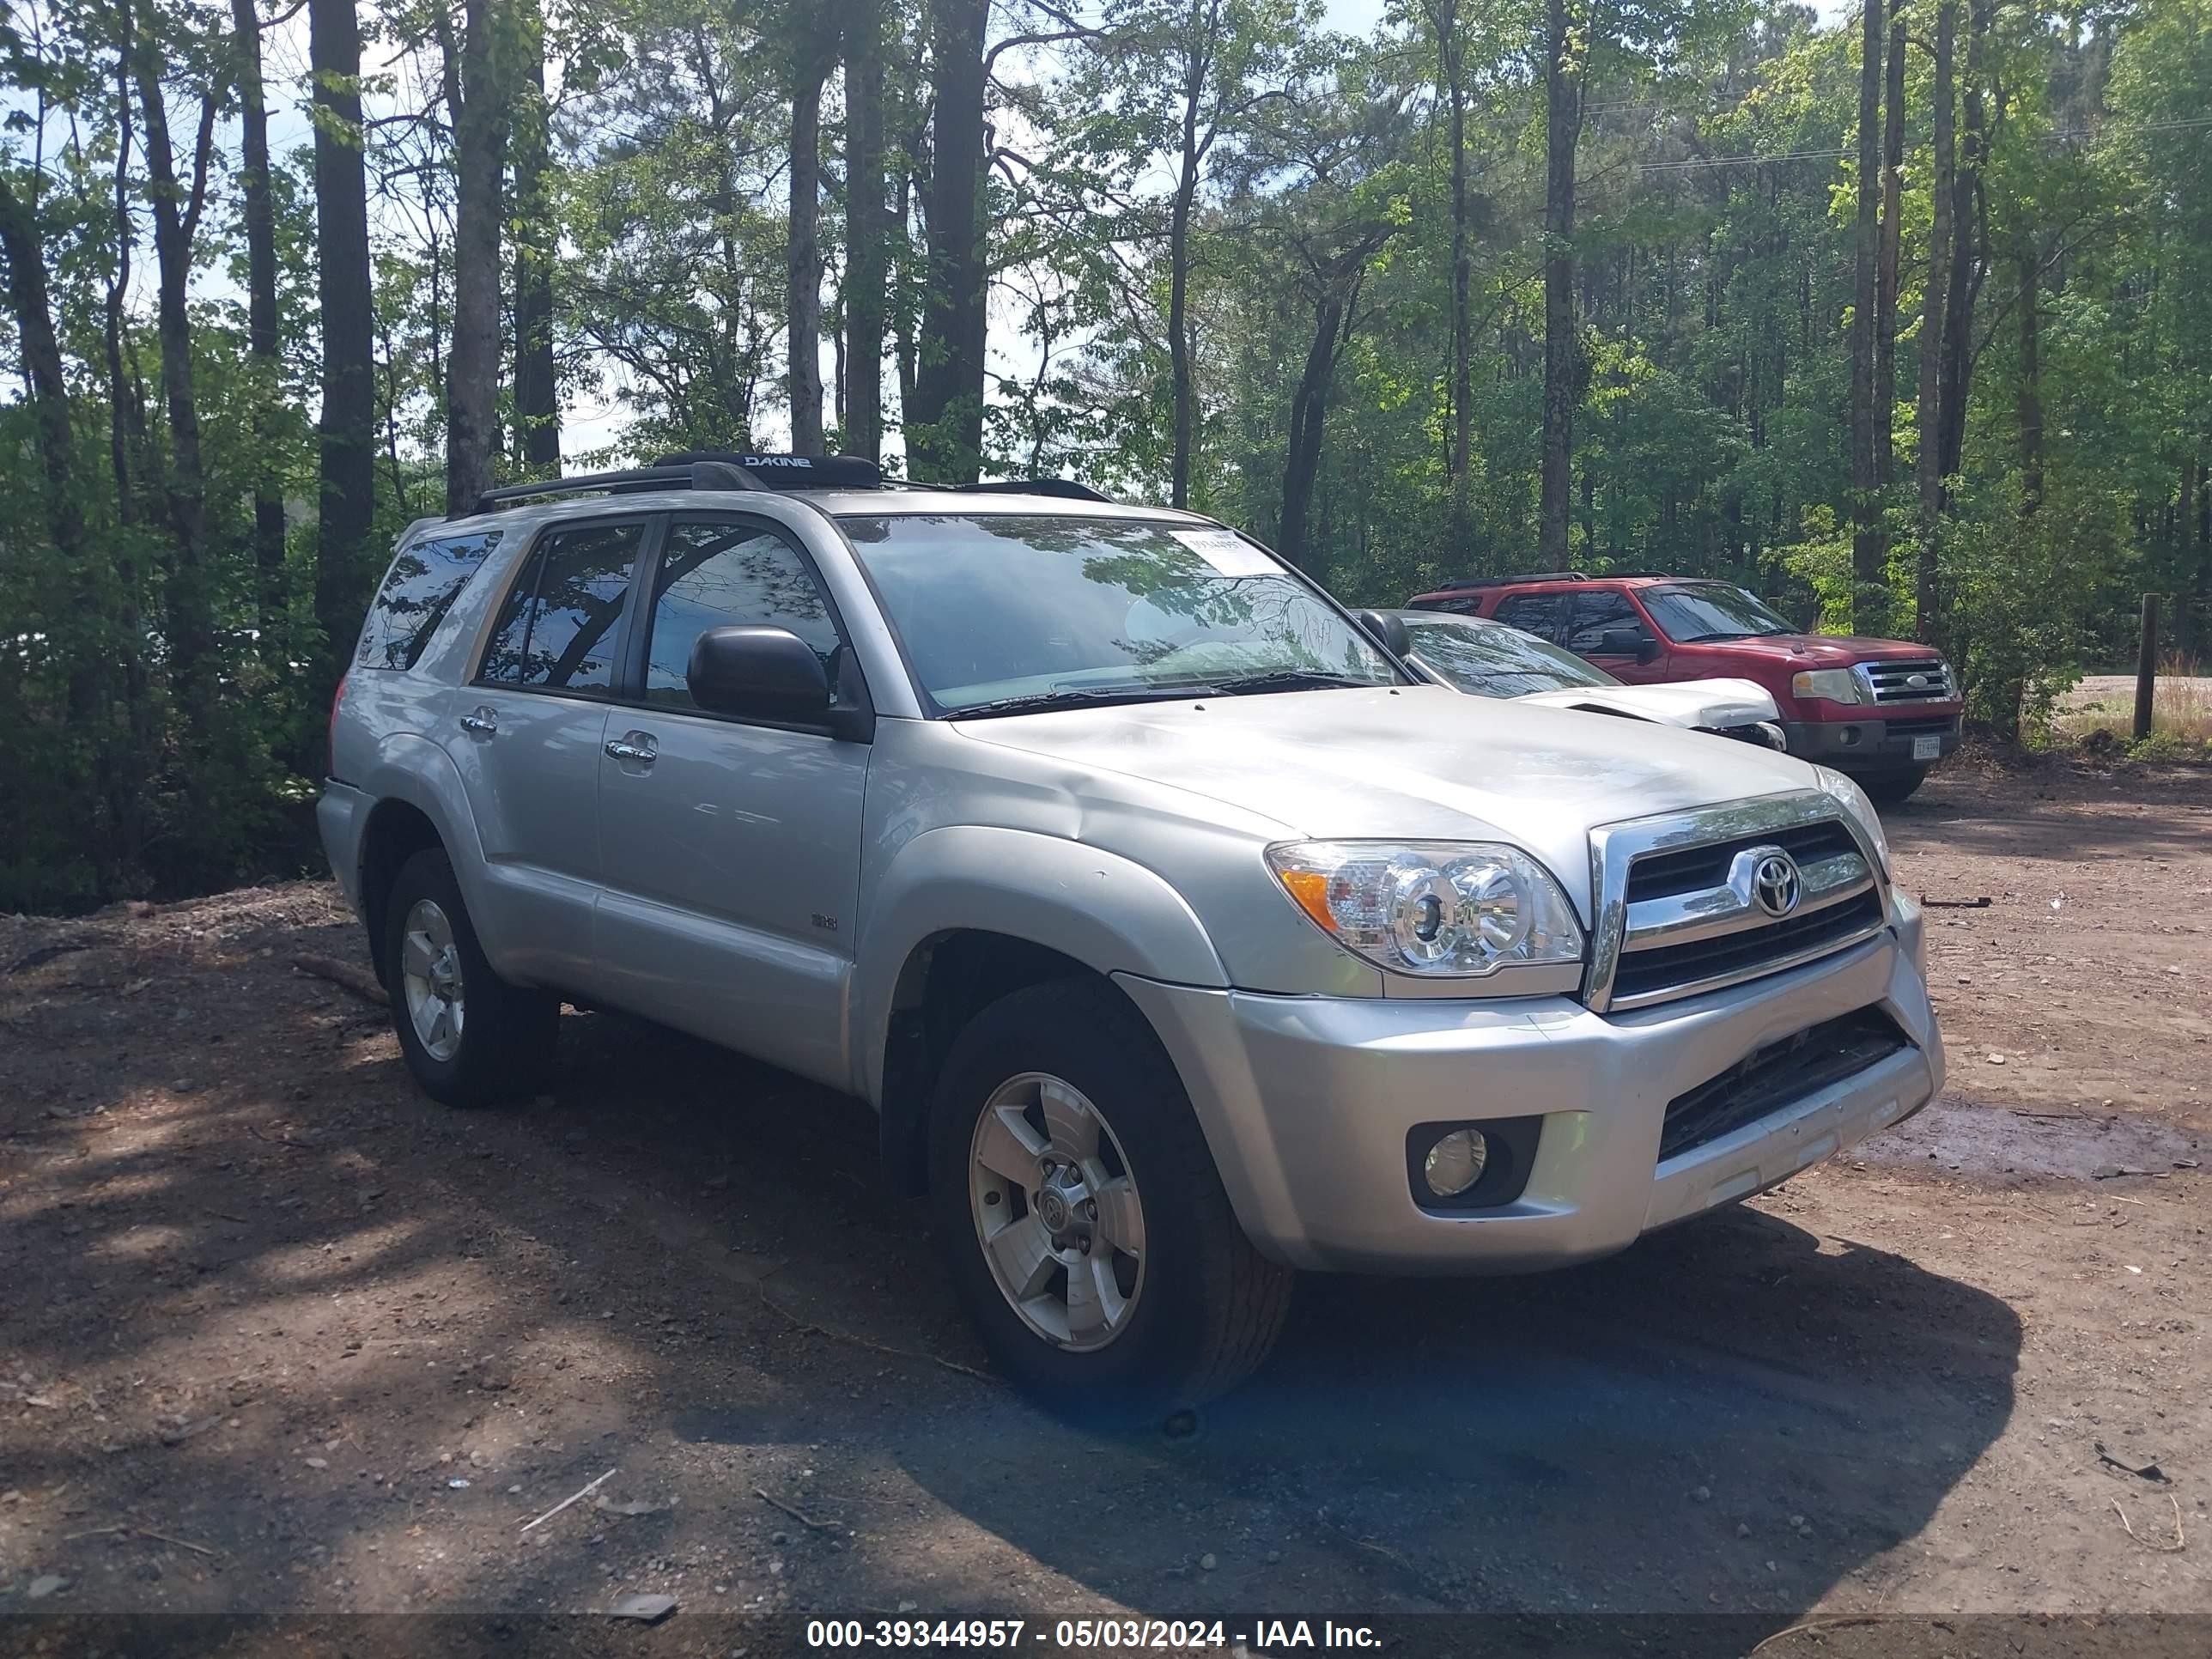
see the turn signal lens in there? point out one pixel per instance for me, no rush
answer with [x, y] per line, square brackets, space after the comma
[1831, 684]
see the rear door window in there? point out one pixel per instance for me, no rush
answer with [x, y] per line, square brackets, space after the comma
[1544, 615]
[1597, 615]
[561, 628]
[419, 592]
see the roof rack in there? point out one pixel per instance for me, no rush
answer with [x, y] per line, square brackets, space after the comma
[702, 469]
[1064, 489]
[1507, 581]
[766, 472]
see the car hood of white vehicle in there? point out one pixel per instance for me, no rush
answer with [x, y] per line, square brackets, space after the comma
[1419, 763]
[1684, 703]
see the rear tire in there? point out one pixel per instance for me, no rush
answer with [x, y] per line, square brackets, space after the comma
[1184, 1319]
[469, 1038]
[1892, 788]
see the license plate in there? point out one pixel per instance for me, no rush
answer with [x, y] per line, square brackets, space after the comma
[1927, 748]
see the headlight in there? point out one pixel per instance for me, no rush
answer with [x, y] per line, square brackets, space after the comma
[1441, 909]
[1856, 804]
[1836, 685]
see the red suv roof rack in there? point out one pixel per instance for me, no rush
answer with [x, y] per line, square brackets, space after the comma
[1507, 581]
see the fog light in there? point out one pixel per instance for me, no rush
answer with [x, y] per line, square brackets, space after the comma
[1454, 1163]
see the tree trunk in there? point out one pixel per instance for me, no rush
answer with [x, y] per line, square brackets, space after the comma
[2030, 403]
[478, 107]
[1868, 560]
[1929, 418]
[804, 267]
[126, 410]
[189, 614]
[1444, 15]
[28, 298]
[1884, 313]
[346, 501]
[1308, 410]
[261, 340]
[866, 232]
[536, 238]
[1179, 342]
[1956, 372]
[1563, 128]
[944, 422]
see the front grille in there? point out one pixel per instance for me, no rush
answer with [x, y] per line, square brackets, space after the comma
[1892, 682]
[1920, 724]
[1782, 1073]
[1679, 967]
[1662, 875]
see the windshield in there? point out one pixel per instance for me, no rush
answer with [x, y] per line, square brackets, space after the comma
[1710, 611]
[1037, 610]
[1489, 660]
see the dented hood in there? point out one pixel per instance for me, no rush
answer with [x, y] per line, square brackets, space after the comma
[1684, 703]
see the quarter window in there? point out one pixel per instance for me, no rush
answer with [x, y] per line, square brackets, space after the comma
[418, 591]
[560, 629]
[717, 575]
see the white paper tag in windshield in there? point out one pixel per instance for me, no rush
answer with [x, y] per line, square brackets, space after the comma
[1228, 553]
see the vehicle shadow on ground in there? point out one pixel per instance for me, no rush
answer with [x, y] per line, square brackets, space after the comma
[1737, 1417]
[1735, 1414]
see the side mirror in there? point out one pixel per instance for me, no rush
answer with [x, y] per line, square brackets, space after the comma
[1389, 632]
[754, 672]
[1627, 642]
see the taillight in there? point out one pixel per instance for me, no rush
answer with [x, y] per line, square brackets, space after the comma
[337, 697]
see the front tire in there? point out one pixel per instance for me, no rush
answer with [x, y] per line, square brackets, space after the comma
[469, 1038]
[1084, 1223]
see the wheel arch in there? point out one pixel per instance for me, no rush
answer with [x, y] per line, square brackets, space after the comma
[418, 804]
[967, 915]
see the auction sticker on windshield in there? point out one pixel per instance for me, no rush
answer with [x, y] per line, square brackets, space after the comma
[1229, 553]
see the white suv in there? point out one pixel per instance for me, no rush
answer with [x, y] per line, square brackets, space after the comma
[1179, 934]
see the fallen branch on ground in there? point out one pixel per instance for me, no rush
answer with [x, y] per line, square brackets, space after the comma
[796, 1514]
[46, 953]
[807, 1327]
[2180, 1538]
[359, 981]
[142, 1532]
[565, 1501]
[1821, 1627]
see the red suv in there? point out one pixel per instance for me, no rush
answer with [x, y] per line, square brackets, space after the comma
[1882, 710]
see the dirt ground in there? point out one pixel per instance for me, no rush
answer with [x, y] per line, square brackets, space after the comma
[279, 1336]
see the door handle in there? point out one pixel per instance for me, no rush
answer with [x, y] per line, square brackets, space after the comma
[622, 749]
[484, 722]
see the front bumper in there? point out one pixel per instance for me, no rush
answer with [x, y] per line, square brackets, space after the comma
[1880, 745]
[1307, 1103]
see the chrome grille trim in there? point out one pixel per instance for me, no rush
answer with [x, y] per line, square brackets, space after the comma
[1891, 682]
[1616, 847]
[1730, 909]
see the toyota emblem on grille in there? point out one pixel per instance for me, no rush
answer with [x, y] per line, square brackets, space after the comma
[1776, 884]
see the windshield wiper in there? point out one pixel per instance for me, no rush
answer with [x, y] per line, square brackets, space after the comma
[1039, 702]
[1287, 679]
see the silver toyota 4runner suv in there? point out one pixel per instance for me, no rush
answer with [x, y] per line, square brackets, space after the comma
[1179, 936]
